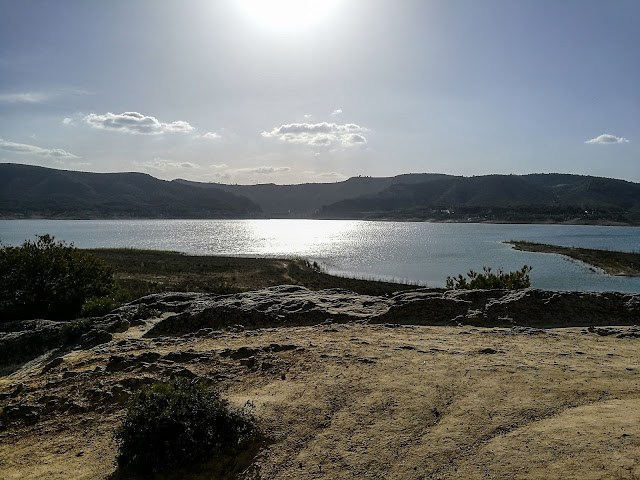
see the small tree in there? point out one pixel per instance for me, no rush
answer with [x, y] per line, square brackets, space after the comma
[173, 424]
[489, 280]
[50, 279]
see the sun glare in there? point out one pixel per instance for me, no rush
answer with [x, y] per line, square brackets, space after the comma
[286, 16]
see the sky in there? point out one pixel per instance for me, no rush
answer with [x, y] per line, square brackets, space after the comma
[296, 91]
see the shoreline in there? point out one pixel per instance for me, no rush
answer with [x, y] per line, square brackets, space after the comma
[622, 264]
[478, 221]
[143, 272]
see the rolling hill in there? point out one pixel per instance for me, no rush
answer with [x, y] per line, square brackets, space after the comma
[305, 200]
[500, 198]
[37, 192]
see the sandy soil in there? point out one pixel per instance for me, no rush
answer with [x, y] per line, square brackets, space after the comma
[356, 401]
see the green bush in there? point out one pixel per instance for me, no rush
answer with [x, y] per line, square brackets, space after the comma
[489, 280]
[99, 306]
[50, 279]
[172, 424]
[74, 329]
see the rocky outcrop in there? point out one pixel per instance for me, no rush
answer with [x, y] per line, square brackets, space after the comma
[292, 305]
[283, 305]
[508, 308]
[178, 314]
[24, 340]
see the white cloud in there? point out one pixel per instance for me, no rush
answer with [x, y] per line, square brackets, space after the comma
[308, 116]
[324, 176]
[135, 123]
[607, 139]
[264, 170]
[319, 134]
[222, 172]
[336, 112]
[67, 121]
[26, 97]
[163, 165]
[212, 136]
[23, 148]
[220, 176]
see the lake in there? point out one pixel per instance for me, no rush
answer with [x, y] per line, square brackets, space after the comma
[424, 253]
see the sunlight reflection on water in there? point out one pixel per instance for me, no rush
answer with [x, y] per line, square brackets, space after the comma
[425, 253]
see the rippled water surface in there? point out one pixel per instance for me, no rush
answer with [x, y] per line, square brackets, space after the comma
[424, 253]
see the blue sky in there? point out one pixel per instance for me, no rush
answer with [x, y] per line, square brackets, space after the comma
[259, 91]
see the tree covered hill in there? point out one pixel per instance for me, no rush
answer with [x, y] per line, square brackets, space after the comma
[502, 198]
[36, 192]
[305, 200]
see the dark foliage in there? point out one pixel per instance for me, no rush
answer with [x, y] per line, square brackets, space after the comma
[173, 424]
[49, 279]
[489, 280]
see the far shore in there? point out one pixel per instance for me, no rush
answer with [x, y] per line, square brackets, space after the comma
[573, 221]
[614, 263]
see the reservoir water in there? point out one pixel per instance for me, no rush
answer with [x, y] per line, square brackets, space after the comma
[424, 253]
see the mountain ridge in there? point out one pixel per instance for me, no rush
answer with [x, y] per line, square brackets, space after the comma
[501, 198]
[38, 192]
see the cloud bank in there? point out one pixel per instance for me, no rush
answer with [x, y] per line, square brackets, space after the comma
[26, 97]
[165, 165]
[33, 150]
[264, 170]
[320, 134]
[607, 139]
[135, 123]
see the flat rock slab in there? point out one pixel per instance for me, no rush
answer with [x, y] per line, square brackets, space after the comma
[288, 305]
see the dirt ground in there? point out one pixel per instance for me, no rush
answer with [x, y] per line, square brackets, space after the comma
[354, 401]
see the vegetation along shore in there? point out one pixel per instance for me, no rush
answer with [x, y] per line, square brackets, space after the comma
[612, 262]
[143, 272]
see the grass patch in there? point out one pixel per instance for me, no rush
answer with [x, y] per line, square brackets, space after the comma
[143, 272]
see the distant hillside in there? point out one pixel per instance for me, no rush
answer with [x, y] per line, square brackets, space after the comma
[36, 192]
[500, 198]
[305, 200]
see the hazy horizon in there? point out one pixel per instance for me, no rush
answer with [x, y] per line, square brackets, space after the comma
[309, 91]
[319, 181]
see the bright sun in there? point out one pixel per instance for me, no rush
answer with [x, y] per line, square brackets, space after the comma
[286, 16]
